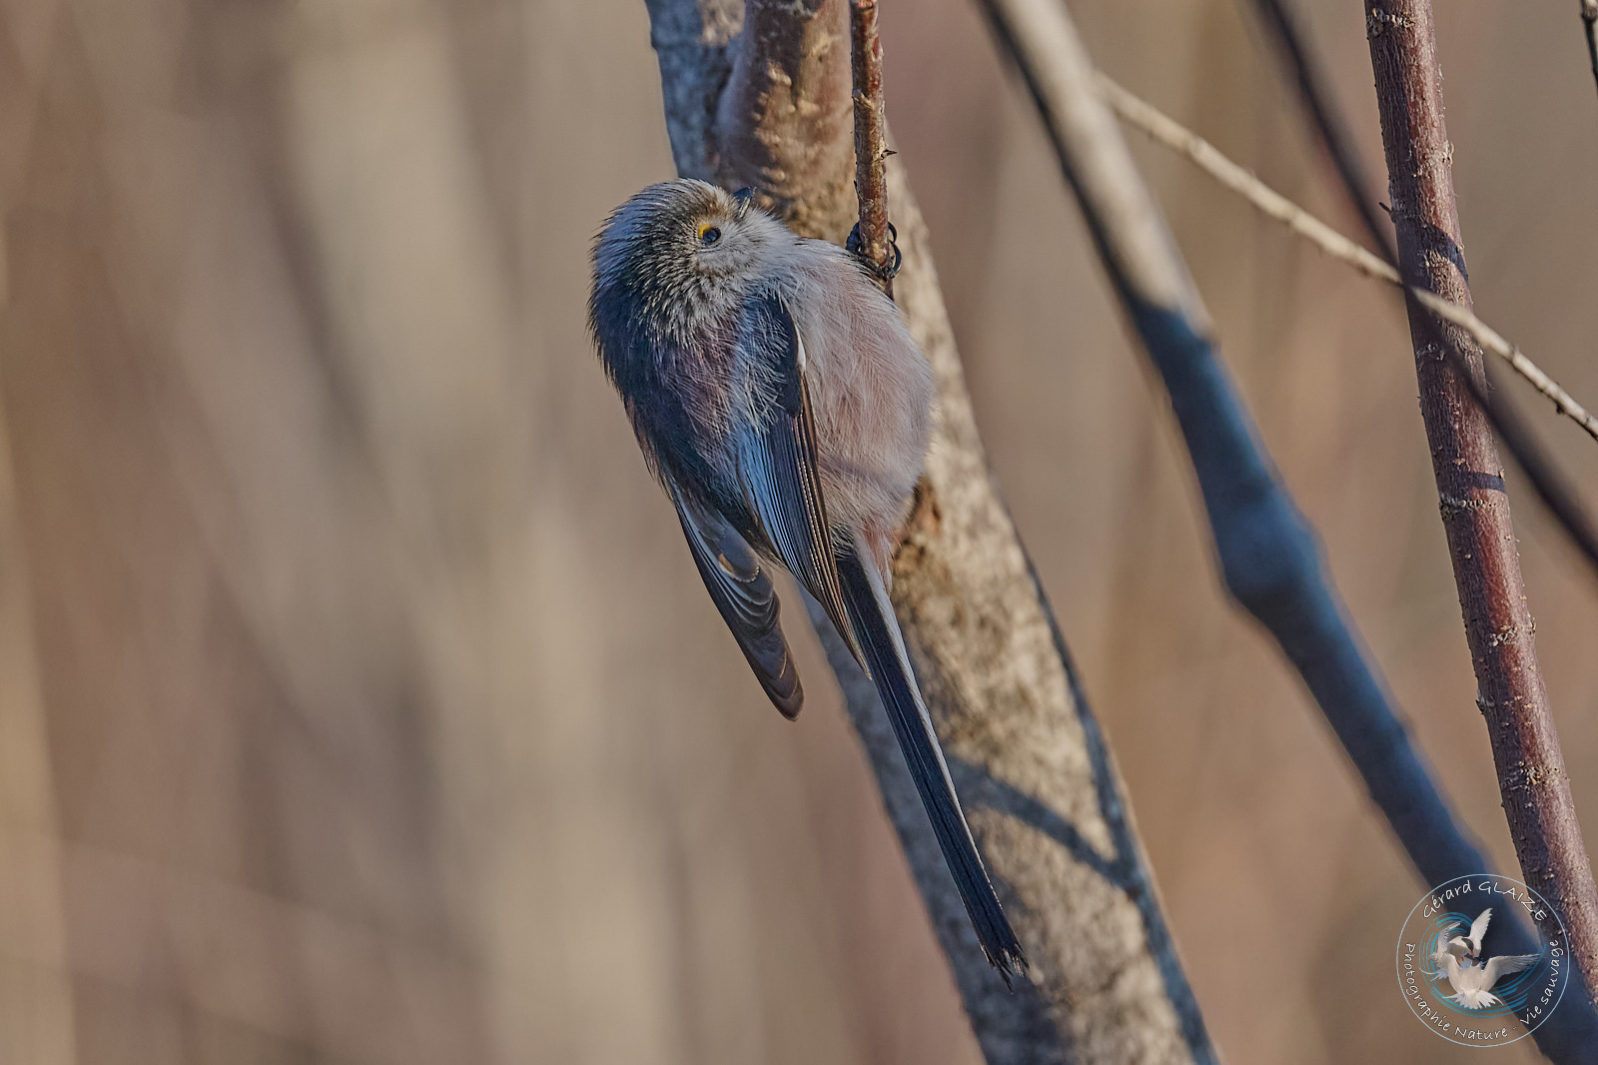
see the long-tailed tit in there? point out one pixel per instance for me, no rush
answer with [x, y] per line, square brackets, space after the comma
[782, 403]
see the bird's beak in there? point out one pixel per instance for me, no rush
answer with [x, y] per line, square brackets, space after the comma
[743, 197]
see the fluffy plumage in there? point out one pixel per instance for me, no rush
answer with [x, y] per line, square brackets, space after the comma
[780, 400]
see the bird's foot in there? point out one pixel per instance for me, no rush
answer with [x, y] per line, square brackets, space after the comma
[884, 272]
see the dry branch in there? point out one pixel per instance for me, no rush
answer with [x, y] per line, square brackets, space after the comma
[1570, 1035]
[1474, 504]
[1547, 480]
[1550, 483]
[870, 140]
[1167, 131]
[1268, 553]
[1038, 782]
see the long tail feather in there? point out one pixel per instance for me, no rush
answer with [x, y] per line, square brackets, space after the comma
[877, 632]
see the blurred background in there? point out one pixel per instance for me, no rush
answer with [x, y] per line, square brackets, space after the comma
[358, 699]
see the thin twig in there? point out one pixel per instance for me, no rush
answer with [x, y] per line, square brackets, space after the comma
[1167, 131]
[1547, 480]
[1475, 508]
[870, 140]
[1570, 1034]
[1551, 486]
[1269, 556]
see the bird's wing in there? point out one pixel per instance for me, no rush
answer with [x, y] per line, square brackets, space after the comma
[744, 596]
[1478, 928]
[1504, 964]
[1450, 968]
[777, 460]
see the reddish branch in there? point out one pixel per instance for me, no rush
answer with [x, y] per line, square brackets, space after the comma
[1269, 555]
[870, 138]
[1475, 507]
[1550, 483]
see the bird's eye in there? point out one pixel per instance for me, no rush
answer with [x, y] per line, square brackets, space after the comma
[708, 235]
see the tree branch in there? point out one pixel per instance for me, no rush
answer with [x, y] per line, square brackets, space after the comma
[1570, 1034]
[1165, 130]
[1562, 500]
[1550, 484]
[870, 140]
[1475, 507]
[1269, 556]
[784, 118]
[1040, 787]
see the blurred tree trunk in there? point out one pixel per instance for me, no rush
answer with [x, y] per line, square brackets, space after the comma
[763, 99]
[323, 730]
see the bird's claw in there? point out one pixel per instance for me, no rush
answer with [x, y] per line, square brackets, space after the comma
[882, 272]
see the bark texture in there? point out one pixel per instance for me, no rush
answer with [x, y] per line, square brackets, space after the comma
[1470, 487]
[1037, 780]
[870, 140]
[1548, 481]
[1268, 553]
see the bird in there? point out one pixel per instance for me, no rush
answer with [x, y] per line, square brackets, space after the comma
[1469, 945]
[1473, 983]
[778, 397]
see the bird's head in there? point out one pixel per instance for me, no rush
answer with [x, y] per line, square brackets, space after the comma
[682, 236]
